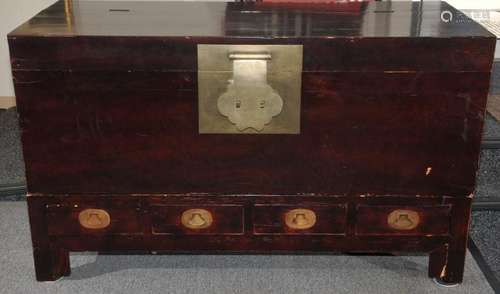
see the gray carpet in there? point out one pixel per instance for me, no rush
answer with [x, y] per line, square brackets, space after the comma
[495, 78]
[11, 158]
[485, 231]
[491, 128]
[206, 274]
[488, 176]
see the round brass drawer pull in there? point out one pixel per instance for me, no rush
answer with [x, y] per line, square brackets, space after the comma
[403, 219]
[196, 218]
[300, 219]
[94, 219]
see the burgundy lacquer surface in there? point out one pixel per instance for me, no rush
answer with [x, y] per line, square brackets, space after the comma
[119, 132]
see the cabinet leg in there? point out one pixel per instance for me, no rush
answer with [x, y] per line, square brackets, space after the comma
[51, 261]
[446, 265]
[437, 261]
[51, 264]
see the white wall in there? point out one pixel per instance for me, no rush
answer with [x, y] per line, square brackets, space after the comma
[12, 14]
[474, 4]
[15, 12]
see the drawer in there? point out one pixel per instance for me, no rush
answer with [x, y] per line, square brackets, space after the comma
[318, 219]
[194, 220]
[403, 220]
[77, 219]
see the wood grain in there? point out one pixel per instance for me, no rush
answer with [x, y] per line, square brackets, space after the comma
[138, 133]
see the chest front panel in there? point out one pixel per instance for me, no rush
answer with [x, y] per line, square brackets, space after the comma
[113, 125]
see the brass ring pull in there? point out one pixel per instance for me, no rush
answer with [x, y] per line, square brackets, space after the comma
[300, 219]
[403, 219]
[196, 218]
[94, 218]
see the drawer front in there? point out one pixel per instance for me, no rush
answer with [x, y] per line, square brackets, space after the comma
[78, 219]
[403, 220]
[197, 220]
[299, 219]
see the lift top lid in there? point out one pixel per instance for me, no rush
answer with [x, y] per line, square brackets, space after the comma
[251, 19]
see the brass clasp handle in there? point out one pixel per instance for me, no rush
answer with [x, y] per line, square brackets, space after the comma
[251, 56]
[92, 218]
[403, 219]
[300, 219]
[196, 218]
[249, 101]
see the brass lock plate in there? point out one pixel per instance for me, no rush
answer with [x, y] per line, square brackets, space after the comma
[403, 219]
[249, 89]
[94, 218]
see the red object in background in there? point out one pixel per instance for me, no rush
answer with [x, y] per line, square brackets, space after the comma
[348, 7]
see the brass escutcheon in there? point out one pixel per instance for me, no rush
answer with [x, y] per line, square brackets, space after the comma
[94, 219]
[300, 219]
[250, 102]
[249, 89]
[196, 218]
[403, 219]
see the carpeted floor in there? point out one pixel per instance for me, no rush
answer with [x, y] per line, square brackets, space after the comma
[12, 180]
[206, 274]
[488, 176]
[485, 231]
[11, 158]
[495, 78]
[491, 127]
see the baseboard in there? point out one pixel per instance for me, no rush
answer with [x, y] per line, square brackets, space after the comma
[7, 102]
[486, 203]
[483, 266]
[490, 143]
[14, 191]
[497, 50]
